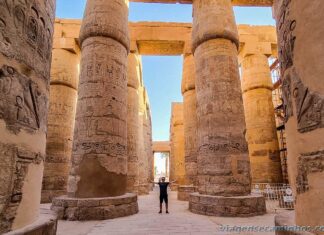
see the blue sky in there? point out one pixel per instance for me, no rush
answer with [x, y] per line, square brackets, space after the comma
[162, 74]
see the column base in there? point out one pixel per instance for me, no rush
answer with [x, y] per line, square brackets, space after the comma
[174, 187]
[143, 189]
[49, 195]
[240, 206]
[184, 192]
[45, 224]
[82, 209]
[286, 220]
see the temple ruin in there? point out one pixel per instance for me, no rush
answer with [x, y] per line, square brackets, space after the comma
[76, 124]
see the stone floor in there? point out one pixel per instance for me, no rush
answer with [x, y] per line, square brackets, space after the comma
[148, 222]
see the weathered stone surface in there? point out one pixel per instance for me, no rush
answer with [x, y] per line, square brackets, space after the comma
[177, 156]
[234, 2]
[223, 164]
[26, 29]
[190, 120]
[59, 141]
[143, 161]
[46, 223]
[133, 82]
[184, 192]
[286, 220]
[170, 38]
[62, 107]
[106, 19]
[261, 133]
[239, 206]
[95, 208]
[206, 13]
[99, 159]
[99, 146]
[161, 147]
[147, 124]
[160, 38]
[299, 33]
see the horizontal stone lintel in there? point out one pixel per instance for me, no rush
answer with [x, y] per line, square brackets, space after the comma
[264, 3]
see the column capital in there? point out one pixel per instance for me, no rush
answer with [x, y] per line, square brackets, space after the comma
[213, 19]
[256, 73]
[255, 48]
[106, 19]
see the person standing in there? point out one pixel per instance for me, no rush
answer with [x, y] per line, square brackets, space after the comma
[163, 193]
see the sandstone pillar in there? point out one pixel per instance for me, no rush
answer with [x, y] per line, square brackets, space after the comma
[300, 33]
[134, 76]
[98, 175]
[150, 150]
[148, 143]
[223, 163]
[261, 133]
[63, 97]
[190, 127]
[167, 166]
[177, 145]
[142, 161]
[26, 31]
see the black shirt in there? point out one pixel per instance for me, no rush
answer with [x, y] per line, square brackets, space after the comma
[163, 188]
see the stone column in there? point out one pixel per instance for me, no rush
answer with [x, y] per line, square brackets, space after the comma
[63, 97]
[150, 154]
[143, 162]
[148, 143]
[223, 163]
[167, 165]
[190, 127]
[134, 76]
[177, 145]
[26, 32]
[98, 175]
[300, 36]
[261, 133]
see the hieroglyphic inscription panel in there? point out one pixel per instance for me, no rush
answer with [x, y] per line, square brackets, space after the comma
[100, 129]
[26, 29]
[221, 143]
[309, 106]
[22, 104]
[27, 25]
[13, 171]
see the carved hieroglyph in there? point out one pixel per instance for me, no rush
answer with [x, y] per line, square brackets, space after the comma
[134, 80]
[300, 32]
[63, 97]
[223, 164]
[190, 119]
[261, 131]
[26, 29]
[177, 144]
[99, 159]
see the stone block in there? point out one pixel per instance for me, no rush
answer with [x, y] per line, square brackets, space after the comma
[227, 206]
[95, 208]
[45, 224]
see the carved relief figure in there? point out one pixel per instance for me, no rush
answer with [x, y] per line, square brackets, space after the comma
[24, 104]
